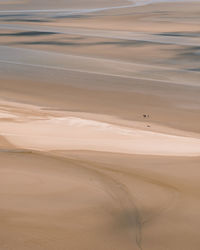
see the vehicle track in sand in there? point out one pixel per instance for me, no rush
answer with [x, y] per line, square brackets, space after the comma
[121, 195]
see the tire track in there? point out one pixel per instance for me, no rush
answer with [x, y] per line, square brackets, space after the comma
[149, 178]
[116, 190]
[119, 192]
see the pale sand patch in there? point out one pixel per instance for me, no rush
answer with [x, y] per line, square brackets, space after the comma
[5, 144]
[6, 115]
[74, 133]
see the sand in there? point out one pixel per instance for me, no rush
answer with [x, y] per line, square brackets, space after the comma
[99, 125]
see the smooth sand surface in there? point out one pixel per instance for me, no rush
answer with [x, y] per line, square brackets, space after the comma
[99, 125]
[51, 131]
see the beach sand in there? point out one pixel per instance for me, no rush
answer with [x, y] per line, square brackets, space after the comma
[99, 125]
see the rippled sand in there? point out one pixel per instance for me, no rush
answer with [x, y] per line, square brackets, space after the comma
[99, 125]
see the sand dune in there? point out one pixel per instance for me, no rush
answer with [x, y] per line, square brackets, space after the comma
[99, 125]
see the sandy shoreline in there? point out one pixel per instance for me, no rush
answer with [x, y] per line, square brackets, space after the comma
[99, 125]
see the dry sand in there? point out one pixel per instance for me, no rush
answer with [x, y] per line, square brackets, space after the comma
[99, 125]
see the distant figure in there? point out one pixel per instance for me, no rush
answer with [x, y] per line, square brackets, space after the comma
[145, 116]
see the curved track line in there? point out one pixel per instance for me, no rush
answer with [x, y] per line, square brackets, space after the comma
[117, 191]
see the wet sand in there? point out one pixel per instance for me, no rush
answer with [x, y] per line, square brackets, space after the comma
[99, 125]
